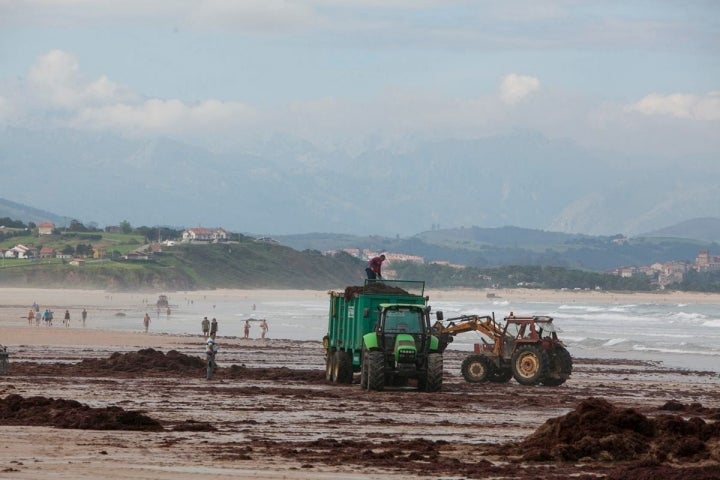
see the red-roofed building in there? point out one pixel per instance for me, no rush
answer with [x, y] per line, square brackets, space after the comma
[46, 228]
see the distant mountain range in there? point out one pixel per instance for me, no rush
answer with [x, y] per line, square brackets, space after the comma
[490, 247]
[285, 186]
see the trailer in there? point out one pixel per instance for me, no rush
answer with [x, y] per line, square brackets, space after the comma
[382, 329]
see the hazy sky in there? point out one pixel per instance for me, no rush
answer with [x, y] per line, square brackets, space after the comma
[638, 76]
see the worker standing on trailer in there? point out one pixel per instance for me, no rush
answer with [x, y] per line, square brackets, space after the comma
[374, 269]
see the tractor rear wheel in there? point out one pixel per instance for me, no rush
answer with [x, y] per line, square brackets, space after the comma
[375, 370]
[330, 365]
[343, 367]
[530, 364]
[433, 380]
[560, 367]
[476, 368]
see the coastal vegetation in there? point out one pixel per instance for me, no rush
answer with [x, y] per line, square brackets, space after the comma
[247, 262]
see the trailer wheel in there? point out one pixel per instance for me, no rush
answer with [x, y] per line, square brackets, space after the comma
[529, 364]
[375, 370]
[500, 375]
[560, 367]
[343, 367]
[476, 368]
[433, 380]
[330, 365]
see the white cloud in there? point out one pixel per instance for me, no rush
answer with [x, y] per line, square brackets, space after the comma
[55, 78]
[680, 105]
[515, 88]
[56, 93]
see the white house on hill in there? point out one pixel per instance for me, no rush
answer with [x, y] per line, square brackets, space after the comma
[200, 234]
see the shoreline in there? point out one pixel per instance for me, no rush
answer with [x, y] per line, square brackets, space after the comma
[105, 306]
[25, 296]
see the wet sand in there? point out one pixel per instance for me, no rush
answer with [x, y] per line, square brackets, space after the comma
[270, 414]
[74, 405]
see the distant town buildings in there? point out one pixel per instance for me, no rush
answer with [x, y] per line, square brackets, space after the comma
[704, 262]
[671, 272]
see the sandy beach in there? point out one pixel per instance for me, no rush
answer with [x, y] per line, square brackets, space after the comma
[270, 414]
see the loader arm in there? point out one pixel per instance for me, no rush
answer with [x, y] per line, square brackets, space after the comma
[470, 323]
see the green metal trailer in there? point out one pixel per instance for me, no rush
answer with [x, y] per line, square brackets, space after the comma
[382, 329]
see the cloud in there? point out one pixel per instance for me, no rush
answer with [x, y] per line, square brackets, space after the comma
[515, 88]
[680, 105]
[57, 93]
[55, 79]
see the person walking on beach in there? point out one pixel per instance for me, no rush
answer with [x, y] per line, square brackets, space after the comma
[211, 349]
[146, 321]
[213, 327]
[31, 316]
[84, 317]
[205, 324]
[66, 319]
[48, 316]
[247, 329]
[374, 269]
[263, 328]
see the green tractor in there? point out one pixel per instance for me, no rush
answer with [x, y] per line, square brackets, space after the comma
[401, 348]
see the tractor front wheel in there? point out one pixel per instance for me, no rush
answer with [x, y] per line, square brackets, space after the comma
[530, 364]
[433, 380]
[375, 370]
[476, 368]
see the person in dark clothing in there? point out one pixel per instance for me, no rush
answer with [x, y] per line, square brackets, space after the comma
[374, 269]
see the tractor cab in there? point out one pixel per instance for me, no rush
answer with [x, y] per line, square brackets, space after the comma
[402, 330]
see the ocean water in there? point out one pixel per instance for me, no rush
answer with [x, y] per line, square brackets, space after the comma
[674, 335]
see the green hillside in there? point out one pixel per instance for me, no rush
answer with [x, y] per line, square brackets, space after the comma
[246, 264]
[504, 257]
